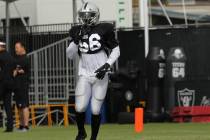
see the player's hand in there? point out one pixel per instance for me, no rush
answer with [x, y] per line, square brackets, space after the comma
[85, 30]
[15, 73]
[100, 72]
[21, 71]
[77, 38]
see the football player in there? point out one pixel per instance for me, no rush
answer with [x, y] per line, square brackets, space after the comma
[90, 40]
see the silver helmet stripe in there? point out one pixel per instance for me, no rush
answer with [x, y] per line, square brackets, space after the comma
[85, 5]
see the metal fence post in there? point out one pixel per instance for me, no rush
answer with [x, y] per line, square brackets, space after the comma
[36, 82]
[67, 73]
[46, 77]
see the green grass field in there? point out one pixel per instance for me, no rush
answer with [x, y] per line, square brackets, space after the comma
[163, 131]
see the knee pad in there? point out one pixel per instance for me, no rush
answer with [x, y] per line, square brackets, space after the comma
[80, 108]
[96, 106]
[96, 111]
[81, 103]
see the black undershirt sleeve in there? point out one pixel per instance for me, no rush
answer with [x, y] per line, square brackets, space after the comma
[111, 39]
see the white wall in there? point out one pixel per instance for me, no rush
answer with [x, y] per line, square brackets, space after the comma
[61, 11]
[27, 8]
[1, 11]
[54, 11]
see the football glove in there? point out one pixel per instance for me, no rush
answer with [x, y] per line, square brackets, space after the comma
[84, 30]
[77, 37]
[100, 72]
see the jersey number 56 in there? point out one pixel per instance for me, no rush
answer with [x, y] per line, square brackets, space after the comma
[93, 45]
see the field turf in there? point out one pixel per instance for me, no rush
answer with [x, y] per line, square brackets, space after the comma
[152, 131]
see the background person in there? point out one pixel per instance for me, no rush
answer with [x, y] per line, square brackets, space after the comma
[6, 84]
[21, 78]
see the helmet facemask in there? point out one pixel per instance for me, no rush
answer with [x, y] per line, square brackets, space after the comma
[88, 14]
[88, 18]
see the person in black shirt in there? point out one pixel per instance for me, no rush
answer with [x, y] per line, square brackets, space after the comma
[6, 84]
[21, 78]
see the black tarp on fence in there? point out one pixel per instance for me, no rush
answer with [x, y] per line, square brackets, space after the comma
[195, 41]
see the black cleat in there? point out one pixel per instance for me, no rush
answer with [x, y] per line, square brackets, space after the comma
[20, 128]
[8, 130]
[81, 136]
[92, 138]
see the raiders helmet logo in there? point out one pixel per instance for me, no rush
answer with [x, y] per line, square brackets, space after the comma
[186, 97]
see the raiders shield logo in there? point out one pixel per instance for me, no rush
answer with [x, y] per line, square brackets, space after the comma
[186, 97]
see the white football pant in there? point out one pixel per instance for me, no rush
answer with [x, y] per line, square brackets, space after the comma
[89, 87]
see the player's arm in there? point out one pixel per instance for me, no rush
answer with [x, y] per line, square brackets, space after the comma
[114, 55]
[112, 44]
[72, 50]
[75, 34]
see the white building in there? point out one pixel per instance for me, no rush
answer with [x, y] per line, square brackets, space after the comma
[37, 12]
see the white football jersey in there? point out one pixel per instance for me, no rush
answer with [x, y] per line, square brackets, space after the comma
[89, 63]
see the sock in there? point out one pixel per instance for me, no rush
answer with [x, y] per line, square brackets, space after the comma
[21, 126]
[26, 127]
[95, 124]
[80, 118]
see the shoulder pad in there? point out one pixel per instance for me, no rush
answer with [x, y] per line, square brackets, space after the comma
[74, 30]
[107, 26]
